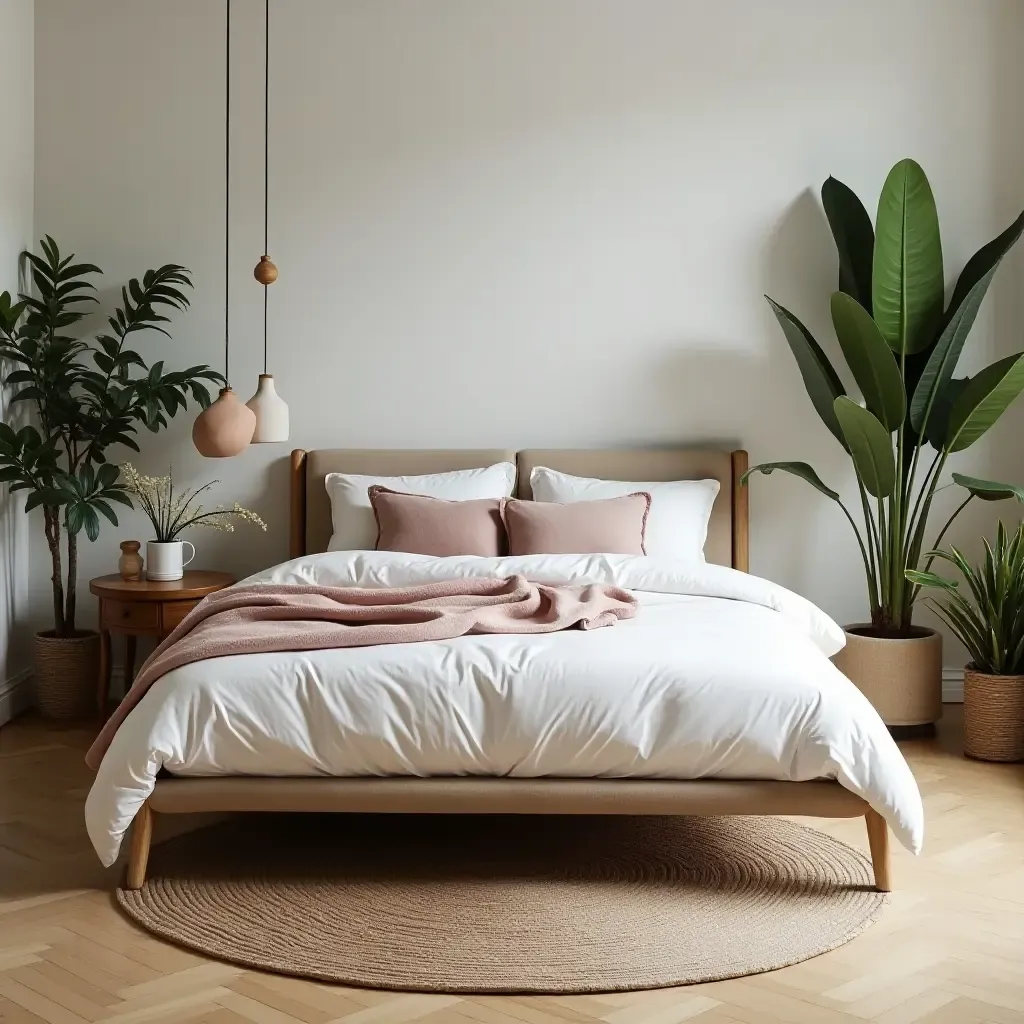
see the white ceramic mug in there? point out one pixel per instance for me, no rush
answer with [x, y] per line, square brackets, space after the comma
[164, 559]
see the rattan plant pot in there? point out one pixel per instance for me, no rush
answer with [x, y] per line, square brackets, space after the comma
[902, 677]
[993, 716]
[66, 673]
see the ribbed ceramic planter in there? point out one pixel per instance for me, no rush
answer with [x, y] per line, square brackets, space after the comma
[902, 677]
[993, 716]
[66, 673]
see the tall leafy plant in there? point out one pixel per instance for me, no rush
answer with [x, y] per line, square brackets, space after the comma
[86, 396]
[902, 343]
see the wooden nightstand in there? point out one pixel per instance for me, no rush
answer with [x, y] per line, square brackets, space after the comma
[145, 608]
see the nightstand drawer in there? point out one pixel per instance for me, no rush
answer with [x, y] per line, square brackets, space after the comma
[130, 615]
[174, 612]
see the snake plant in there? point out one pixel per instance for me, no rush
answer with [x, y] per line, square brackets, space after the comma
[990, 622]
[901, 342]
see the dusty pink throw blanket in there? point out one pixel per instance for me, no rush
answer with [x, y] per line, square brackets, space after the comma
[260, 617]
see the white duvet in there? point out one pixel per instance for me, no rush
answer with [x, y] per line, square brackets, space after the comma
[719, 675]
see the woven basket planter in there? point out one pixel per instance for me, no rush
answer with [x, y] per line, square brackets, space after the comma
[66, 673]
[993, 716]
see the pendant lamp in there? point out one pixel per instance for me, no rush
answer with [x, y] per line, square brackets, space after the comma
[226, 427]
[270, 409]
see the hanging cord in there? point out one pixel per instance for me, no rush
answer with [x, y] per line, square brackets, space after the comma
[266, 158]
[227, 181]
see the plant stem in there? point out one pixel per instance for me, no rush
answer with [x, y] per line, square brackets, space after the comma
[873, 543]
[885, 565]
[869, 568]
[931, 478]
[946, 526]
[177, 526]
[51, 525]
[72, 588]
[919, 538]
[897, 509]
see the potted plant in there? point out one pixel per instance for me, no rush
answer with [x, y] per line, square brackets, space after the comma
[85, 396]
[171, 513]
[901, 342]
[990, 624]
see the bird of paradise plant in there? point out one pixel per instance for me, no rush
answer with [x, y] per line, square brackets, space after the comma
[902, 344]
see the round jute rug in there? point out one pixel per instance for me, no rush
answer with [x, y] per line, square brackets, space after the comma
[507, 904]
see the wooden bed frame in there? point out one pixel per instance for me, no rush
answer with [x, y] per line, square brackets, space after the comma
[728, 543]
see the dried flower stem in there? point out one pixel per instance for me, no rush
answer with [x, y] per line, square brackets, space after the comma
[171, 513]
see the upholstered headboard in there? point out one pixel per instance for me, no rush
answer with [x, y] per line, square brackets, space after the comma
[727, 542]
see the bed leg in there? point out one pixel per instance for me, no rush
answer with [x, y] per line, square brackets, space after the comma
[138, 857]
[878, 841]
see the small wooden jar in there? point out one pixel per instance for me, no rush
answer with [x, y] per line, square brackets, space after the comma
[129, 565]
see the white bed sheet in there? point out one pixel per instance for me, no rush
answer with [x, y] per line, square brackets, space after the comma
[719, 675]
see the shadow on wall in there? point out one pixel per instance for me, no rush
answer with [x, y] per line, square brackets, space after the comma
[794, 525]
[1007, 200]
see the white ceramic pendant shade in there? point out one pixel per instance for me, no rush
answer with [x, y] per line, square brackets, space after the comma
[270, 409]
[271, 412]
[224, 428]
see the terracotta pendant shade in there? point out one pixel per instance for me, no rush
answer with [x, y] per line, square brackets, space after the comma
[271, 412]
[224, 428]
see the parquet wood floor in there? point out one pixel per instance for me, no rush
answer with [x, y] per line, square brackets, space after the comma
[949, 950]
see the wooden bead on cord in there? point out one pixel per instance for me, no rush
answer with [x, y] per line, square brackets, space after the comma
[265, 272]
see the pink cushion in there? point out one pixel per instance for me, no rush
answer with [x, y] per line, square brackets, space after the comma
[612, 525]
[423, 525]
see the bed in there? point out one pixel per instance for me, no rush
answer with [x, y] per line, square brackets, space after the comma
[864, 776]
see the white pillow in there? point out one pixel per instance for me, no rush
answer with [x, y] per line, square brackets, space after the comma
[355, 528]
[677, 524]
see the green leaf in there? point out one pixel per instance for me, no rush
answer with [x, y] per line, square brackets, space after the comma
[73, 518]
[200, 394]
[983, 400]
[800, 469]
[105, 509]
[906, 282]
[989, 490]
[27, 394]
[937, 431]
[854, 237]
[821, 381]
[968, 294]
[91, 522]
[118, 496]
[870, 445]
[930, 579]
[870, 359]
[78, 270]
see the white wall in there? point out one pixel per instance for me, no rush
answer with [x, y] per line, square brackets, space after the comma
[527, 222]
[15, 235]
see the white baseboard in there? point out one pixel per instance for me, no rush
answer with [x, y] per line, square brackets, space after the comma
[952, 685]
[15, 695]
